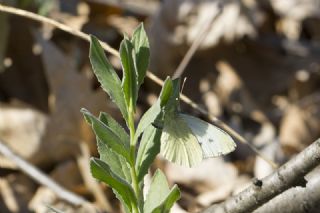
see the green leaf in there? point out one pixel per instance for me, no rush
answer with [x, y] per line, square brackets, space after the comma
[142, 54]
[166, 92]
[45, 7]
[127, 209]
[124, 191]
[160, 198]
[116, 128]
[147, 119]
[167, 204]
[129, 80]
[154, 111]
[117, 163]
[106, 135]
[172, 104]
[148, 150]
[106, 75]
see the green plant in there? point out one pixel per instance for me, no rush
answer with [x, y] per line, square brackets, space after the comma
[124, 159]
[123, 164]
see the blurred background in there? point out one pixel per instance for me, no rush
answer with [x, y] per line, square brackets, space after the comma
[255, 64]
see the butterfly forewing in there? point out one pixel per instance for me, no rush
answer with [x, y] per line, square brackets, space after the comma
[213, 140]
[178, 144]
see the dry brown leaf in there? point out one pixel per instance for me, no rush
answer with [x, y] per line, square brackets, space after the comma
[16, 190]
[74, 181]
[69, 92]
[299, 128]
[209, 175]
[178, 23]
[24, 79]
[183, 20]
[296, 9]
[293, 13]
[43, 139]
[22, 129]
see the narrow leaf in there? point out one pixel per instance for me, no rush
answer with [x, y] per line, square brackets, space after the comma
[102, 172]
[160, 198]
[107, 136]
[172, 104]
[147, 119]
[129, 81]
[166, 92]
[148, 150]
[117, 163]
[166, 205]
[126, 208]
[116, 128]
[106, 75]
[142, 54]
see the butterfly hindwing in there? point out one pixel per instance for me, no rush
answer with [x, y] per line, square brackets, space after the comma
[213, 140]
[178, 144]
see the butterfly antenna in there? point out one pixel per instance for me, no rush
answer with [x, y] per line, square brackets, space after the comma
[183, 83]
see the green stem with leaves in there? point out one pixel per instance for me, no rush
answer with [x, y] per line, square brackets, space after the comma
[135, 184]
[122, 165]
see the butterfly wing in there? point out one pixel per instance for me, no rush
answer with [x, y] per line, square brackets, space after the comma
[178, 144]
[213, 140]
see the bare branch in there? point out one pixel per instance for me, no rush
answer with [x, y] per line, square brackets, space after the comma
[150, 75]
[141, 8]
[56, 24]
[41, 178]
[261, 191]
[295, 200]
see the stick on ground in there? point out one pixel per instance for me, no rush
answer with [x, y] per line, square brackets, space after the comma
[296, 200]
[260, 192]
[41, 178]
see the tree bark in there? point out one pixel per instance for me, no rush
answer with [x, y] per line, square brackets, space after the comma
[260, 192]
[295, 200]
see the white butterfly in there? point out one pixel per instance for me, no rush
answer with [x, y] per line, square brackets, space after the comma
[187, 140]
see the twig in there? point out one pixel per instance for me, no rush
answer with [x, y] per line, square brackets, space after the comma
[196, 43]
[8, 196]
[150, 75]
[295, 200]
[57, 24]
[131, 6]
[41, 178]
[261, 191]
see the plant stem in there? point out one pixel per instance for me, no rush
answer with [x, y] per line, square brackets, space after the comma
[133, 172]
